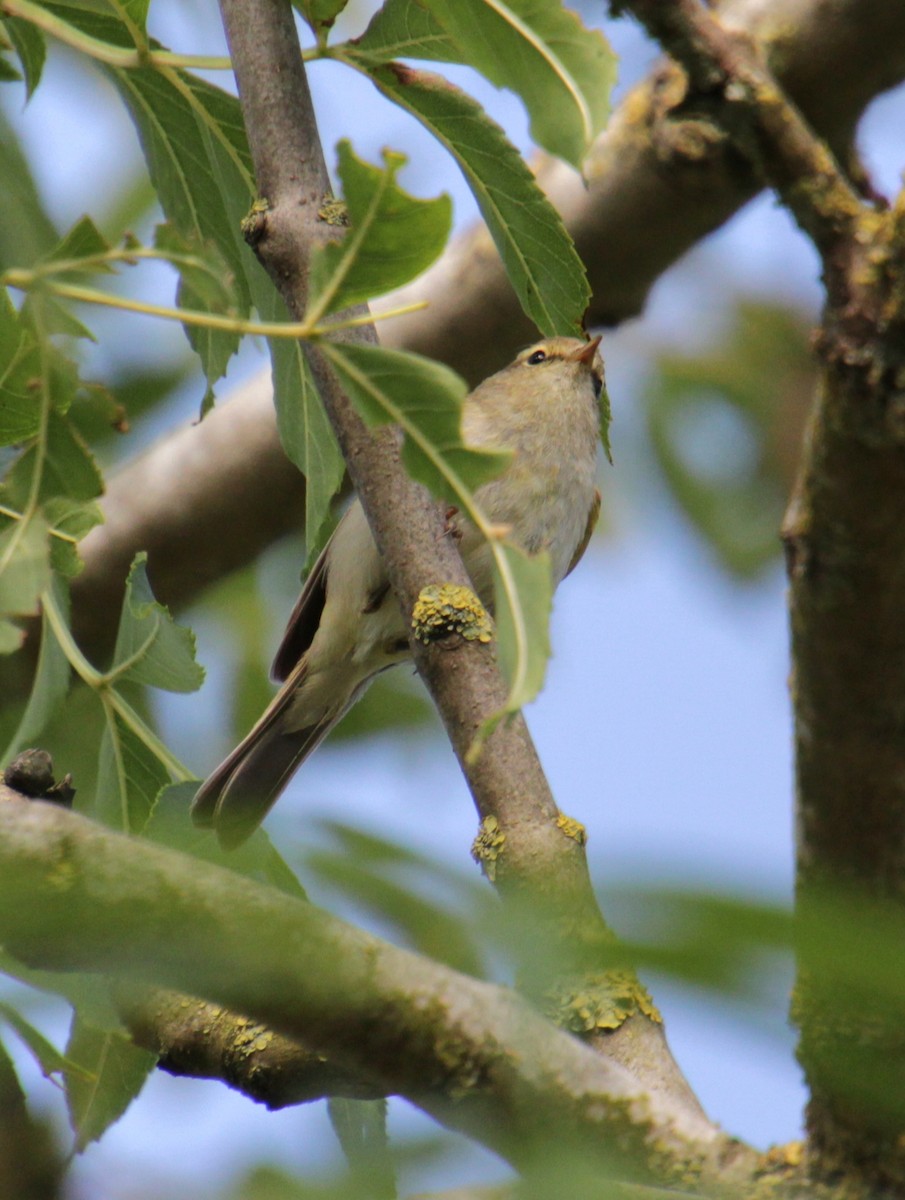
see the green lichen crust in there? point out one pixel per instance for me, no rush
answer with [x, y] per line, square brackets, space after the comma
[447, 608]
[487, 846]
[600, 1002]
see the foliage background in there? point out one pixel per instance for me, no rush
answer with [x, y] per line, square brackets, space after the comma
[664, 726]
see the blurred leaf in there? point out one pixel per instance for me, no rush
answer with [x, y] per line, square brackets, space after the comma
[393, 236]
[171, 825]
[24, 566]
[112, 1071]
[26, 231]
[130, 777]
[20, 372]
[133, 10]
[8, 73]
[150, 647]
[361, 1128]
[31, 48]
[523, 599]
[49, 1059]
[425, 924]
[537, 251]
[74, 519]
[563, 72]
[50, 687]
[727, 432]
[83, 240]
[320, 14]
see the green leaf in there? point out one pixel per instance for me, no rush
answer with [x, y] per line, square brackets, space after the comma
[563, 72]
[20, 369]
[8, 73]
[320, 14]
[11, 637]
[523, 598]
[31, 48]
[83, 240]
[176, 117]
[50, 1060]
[24, 566]
[50, 686]
[405, 29]
[26, 231]
[150, 647]
[537, 251]
[65, 462]
[135, 11]
[171, 825]
[111, 1072]
[424, 399]
[306, 434]
[393, 236]
[73, 519]
[130, 777]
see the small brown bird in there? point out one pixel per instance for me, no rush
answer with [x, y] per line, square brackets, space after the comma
[347, 626]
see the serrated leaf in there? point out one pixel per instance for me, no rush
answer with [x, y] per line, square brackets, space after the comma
[393, 236]
[112, 1072]
[302, 423]
[175, 116]
[24, 566]
[26, 231]
[20, 368]
[74, 519]
[563, 72]
[31, 48]
[50, 1060]
[129, 778]
[424, 399]
[405, 29]
[84, 240]
[50, 686]
[150, 647]
[537, 251]
[66, 464]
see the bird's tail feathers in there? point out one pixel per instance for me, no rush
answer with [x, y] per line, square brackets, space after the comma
[236, 798]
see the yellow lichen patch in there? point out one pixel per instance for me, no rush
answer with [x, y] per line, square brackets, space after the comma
[333, 211]
[603, 1002]
[252, 224]
[447, 608]
[790, 1154]
[572, 828]
[486, 847]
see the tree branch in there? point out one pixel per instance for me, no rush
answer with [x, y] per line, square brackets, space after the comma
[542, 867]
[845, 539]
[656, 186]
[472, 1054]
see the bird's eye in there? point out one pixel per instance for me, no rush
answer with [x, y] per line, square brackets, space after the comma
[538, 356]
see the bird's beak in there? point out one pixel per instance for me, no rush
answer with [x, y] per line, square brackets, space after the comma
[586, 353]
